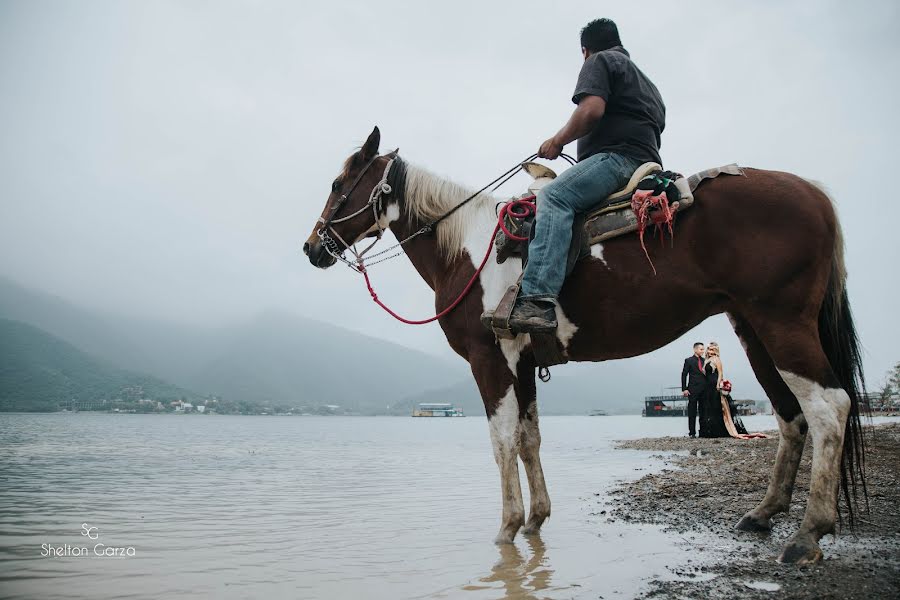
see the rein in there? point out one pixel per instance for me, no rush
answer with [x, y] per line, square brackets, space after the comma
[515, 209]
[529, 210]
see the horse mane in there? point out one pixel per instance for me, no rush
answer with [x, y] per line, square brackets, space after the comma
[429, 197]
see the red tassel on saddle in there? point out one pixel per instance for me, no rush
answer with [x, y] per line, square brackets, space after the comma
[649, 208]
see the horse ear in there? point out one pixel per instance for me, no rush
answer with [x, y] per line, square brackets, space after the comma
[370, 148]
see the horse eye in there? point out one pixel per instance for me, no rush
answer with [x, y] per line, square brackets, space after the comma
[336, 186]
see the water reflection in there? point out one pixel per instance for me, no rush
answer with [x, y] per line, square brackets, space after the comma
[521, 576]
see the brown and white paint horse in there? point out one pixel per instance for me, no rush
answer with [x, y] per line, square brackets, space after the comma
[777, 271]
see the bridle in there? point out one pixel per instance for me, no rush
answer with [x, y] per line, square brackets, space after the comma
[382, 188]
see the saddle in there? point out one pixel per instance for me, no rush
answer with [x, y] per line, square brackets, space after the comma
[612, 217]
[616, 215]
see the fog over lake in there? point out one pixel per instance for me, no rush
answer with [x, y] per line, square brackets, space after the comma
[164, 161]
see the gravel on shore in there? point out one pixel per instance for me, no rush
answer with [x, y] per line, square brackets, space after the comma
[706, 488]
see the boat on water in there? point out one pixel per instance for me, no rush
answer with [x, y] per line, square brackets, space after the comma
[598, 413]
[437, 410]
[665, 406]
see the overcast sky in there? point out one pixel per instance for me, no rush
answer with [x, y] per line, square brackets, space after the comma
[169, 158]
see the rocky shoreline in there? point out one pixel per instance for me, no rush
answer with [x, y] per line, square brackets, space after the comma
[708, 484]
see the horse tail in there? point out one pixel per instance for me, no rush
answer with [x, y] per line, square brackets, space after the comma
[839, 339]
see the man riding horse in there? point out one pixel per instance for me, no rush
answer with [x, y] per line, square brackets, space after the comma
[618, 122]
[789, 305]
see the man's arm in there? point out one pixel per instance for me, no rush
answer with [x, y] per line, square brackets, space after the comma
[589, 110]
[684, 375]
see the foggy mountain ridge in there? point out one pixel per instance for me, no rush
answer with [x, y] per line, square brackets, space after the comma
[271, 357]
[275, 357]
[41, 372]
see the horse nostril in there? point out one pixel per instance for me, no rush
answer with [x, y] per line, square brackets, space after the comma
[306, 248]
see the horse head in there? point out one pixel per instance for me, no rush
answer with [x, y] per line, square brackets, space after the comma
[355, 208]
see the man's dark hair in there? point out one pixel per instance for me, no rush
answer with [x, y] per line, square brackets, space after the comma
[600, 34]
[697, 344]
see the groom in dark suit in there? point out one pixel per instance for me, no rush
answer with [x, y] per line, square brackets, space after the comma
[693, 386]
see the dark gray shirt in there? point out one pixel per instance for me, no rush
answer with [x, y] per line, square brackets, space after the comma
[635, 114]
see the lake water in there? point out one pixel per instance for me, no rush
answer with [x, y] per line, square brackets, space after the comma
[312, 507]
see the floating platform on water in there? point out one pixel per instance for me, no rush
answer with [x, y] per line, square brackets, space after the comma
[437, 410]
[665, 406]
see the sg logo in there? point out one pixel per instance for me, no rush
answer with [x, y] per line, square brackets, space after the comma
[92, 532]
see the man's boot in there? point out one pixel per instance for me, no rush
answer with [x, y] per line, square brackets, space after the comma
[533, 316]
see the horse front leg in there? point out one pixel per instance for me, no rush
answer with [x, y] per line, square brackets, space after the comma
[497, 385]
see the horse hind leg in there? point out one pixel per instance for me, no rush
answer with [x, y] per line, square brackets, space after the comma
[530, 447]
[801, 361]
[826, 406]
[791, 424]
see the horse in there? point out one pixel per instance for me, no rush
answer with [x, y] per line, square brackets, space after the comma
[777, 272]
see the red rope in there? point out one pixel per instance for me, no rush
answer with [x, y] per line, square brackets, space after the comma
[528, 209]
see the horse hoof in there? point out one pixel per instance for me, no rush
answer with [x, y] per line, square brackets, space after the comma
[532, 528]
[504, 538]
[508, 533]
[754, 524]
[800, 551]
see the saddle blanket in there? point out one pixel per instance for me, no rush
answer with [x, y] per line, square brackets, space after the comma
[619, 218]
[613, 217]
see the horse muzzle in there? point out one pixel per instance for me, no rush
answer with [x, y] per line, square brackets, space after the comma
[318, 256]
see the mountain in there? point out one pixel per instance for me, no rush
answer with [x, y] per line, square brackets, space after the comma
[167, 349]
[40, 372]
[279, 358]
[273, 358]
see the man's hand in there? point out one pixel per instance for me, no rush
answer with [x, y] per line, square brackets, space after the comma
[685, 393]
[550, 149]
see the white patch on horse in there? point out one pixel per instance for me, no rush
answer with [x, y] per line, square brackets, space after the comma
[391, 214]
[470, 229]
[494, 278]
[504, 423]
[505, 438]
[825, 410]
[597, 252]
[565, 328]
[512, 350]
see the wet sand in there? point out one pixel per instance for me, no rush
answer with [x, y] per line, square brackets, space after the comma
[706, 488]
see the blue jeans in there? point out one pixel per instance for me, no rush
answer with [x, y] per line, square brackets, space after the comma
[577, 190]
